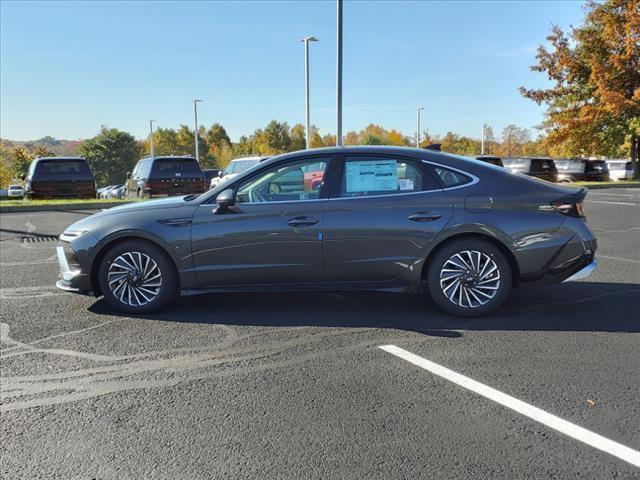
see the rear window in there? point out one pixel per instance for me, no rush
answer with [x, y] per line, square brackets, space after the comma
[63, 167]
[175, 165]
[539, 165]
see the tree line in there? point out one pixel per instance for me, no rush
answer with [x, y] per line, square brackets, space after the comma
[112, 152]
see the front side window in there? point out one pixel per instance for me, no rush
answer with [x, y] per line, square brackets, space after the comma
[366, 176]
[296, 181]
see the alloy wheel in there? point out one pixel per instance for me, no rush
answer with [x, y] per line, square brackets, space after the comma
[134, 278]
[470, 279]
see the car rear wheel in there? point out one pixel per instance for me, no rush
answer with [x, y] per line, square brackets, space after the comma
[137, 277]
[469, 278]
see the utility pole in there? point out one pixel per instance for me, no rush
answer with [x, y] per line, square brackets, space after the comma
[418, 110]
[306, 41]
[484, 128]
[151, 136]
[195, 133]
[338, 73]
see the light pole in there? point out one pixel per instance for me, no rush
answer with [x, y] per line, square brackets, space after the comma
[151, 136]
[418, 110]
[338, 73]
[195, 133]
[306, 41]
[484, 129]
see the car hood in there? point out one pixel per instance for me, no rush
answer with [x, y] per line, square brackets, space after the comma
[170, 202]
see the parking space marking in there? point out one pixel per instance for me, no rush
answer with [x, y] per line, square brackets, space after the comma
[563, 426]
[614, 203]
[612, 194]
[609, 257]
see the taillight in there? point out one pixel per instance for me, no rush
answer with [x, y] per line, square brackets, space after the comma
[571, 208]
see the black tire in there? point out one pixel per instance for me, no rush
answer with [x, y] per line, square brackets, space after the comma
[167, 291]
[468, 305]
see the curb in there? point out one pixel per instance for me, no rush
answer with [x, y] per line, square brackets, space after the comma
[61, 207]
[611, 185]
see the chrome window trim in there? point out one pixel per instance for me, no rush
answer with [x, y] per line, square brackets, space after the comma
[473, 181]
[382, 196]
[269, 203]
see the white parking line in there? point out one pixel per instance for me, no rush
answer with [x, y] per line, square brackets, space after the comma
[563, 426]
[628, 195]
[613, 203]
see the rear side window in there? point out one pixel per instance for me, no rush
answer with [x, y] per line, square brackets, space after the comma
[365, 176]
[451, 178]
[63, 167]
[169, 166]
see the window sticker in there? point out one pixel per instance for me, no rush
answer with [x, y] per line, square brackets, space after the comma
[405, 183]
[372, 176]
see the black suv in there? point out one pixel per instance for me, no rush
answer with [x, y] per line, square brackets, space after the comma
[171, 175]
[597, 170]
[538, 167]
[60, 177]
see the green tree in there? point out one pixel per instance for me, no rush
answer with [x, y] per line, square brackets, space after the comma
[298, 137]
[111, 153]
[593, 106]
[217, 136]
[274, 139]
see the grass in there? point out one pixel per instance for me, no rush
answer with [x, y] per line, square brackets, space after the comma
[631, 183]
[63, 201]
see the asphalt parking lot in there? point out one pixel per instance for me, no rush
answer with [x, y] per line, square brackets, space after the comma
[296, 386]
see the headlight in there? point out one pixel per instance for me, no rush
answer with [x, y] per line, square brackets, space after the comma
[69, 235]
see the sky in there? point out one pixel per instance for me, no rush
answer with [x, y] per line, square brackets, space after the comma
[66, 68]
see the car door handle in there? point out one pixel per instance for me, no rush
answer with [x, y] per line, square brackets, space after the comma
[425, 216]
[302, 221]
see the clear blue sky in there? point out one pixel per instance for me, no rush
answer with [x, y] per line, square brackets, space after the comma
[69, 67]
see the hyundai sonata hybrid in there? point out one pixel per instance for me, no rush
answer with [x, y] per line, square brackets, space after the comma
[373, 218]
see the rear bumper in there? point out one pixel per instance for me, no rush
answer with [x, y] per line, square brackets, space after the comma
[583, 272]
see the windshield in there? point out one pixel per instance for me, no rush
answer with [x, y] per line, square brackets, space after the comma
[176, 165]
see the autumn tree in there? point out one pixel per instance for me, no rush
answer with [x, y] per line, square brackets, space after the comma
[593, 106]
[21, 158]
[298, 137]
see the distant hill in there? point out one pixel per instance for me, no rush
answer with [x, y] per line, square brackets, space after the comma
[60, 147]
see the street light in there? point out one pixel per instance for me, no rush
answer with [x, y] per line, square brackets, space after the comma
[484, 128]
[195, 133]
[338, 73]
[418, 110]
[151, 136]
[306, 41]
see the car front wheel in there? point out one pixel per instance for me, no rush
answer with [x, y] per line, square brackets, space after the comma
[469, 278]
[137, 277]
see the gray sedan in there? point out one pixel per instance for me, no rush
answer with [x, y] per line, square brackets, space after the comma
[354, 218]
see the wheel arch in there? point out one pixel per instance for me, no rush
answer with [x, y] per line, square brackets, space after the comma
[513, 263]
[111, 242]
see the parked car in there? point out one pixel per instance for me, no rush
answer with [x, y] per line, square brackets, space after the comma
[101, 192]
[596, 170]
[236, 167]
[497, 161]
[570, 169]
[15, 191]
[388, 218]
[165, 176]
[116, 191]
[539, 167]
[620, 170]
[60, 177]
[210, 174]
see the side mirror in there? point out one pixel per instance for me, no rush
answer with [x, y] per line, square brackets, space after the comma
[220, 173]
[225, 199]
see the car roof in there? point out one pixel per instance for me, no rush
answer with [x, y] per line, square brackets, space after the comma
[60, 158]
[251, 157]
[158, 157]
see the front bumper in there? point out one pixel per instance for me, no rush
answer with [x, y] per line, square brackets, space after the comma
[583, 272]
[71, 278]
